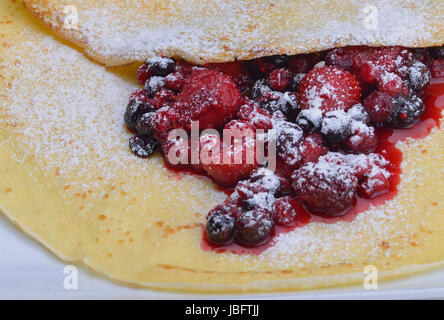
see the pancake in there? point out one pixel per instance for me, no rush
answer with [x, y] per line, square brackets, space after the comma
[69, 180]
[220, 31]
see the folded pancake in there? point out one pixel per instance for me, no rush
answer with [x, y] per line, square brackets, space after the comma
[68, 179]
[116, 32]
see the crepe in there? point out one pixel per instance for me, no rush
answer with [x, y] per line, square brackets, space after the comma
[116, 32]
[68, 179]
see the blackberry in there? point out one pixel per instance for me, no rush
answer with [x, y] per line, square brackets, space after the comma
[437, 52]
[335, 126]
[285, 102]
[254, 227]
[220, 228]
[135, 109]
[406, 111]
[297, 79]
[278, 60]
[260, 88]
[154, 85]
[358, 113]
[143, 145]
[289, 136]
[309, 120]
[160, 66]
[418, 75]
[144, 126]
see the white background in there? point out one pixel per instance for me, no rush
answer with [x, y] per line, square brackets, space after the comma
[29, 271]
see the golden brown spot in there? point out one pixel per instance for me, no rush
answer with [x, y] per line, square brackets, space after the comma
[110, 255]
[414, 244]
[385, 245]
[8, 190]
[127, 233]
[66, 187]
[434, 204]
[102, 217]
[159, 223]
[81, 208]
[106, 196]
[121, 241]
[84, 196]
[424, 151]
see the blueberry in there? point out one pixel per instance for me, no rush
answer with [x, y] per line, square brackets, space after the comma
[254, 227]
[220, 228]
[143, 145]
[135, 109]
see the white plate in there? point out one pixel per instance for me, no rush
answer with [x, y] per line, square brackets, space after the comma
[29, 271]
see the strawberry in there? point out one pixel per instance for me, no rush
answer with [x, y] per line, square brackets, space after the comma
[329, 88]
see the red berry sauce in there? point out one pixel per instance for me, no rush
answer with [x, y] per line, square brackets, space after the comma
[337, 125]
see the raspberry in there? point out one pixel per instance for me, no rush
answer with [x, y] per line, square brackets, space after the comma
[371, 171]
[143, 145]
[285, 213]
[379, 106]
[220, 228]
[174, 81]
[437, 68]
[257, 117]
[177, 152]
[143, 73]
[343, 57]
[234, 161]
[254, 227]
[163, 98]
[406, 111]
[362, 138]
[162, 121]
[392, 84]
[312, 147]
[279, 79]
[329, 88]
[208, 96]
[237, 71]
[327, 186]
[137, 106]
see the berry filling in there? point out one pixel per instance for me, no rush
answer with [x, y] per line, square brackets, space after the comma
[332, 118]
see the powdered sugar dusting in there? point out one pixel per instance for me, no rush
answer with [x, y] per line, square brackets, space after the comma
[68, 113]
[209, 31]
